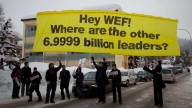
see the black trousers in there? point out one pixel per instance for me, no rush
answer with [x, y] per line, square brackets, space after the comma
[158, 98]
[27, 83]
[118, 88]
[51, 87]
[16, 88]
[66, 87]
[36, 89]
[101, 90]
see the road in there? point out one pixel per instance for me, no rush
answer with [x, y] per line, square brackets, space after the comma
[176, 95]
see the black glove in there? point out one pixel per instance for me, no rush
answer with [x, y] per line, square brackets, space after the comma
[104, 59]
[92, 58]
[145, 68]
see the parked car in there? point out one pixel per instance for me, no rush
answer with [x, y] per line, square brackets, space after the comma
[144, 76]
[175, 71]
[89, 85]
[168, 75]
[179, 69]
[128, 77]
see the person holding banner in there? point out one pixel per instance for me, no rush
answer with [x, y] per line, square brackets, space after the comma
[158, 83]
[101, 79]
[16, 75]
[35, 81]
[51, 78]
[115, 75]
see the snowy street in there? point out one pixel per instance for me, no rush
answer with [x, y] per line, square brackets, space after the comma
[176, 95]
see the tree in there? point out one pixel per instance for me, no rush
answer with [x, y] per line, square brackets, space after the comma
[2, 17]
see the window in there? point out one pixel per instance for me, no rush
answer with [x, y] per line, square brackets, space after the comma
[28, 45]
[30, 30]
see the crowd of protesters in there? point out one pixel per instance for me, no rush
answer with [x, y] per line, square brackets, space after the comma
[30, 81]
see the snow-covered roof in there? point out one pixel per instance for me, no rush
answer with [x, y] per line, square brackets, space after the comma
[105, 7]
[29, 17]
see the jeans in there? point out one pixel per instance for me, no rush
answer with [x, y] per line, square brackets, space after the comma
[51, 88]
[27, 83]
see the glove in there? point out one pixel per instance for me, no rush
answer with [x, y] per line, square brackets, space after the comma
[92, 58]
[145, 68]
[104, 59]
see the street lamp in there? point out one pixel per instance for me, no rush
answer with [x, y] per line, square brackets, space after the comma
[189, 35]
[187, 32]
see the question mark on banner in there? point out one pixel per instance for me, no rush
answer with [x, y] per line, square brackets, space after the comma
[165, 46]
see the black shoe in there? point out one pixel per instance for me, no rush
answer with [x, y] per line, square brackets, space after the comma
[120, 103]
[17, 97]
[52, 101]
[114, 102]
[161, 105]
[39, 100]
[103, 102]
[13, 97]
[46, 102]
[62, 98]
[99, 101]
[29, 100]
[156, 104]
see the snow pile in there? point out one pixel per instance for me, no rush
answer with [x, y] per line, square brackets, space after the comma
[5, 83]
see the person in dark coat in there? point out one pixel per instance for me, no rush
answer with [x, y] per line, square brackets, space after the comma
[65, 78]
[79, 81]
[101, 79]
[51, 78]
[25, 79]
[115, 75]
[1, 64]
[35, 81]
[157, 83]
[16, 75]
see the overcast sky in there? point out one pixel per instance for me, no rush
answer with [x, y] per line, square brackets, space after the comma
[175, 9]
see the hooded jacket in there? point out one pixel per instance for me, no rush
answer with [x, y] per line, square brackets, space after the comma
[51, 73]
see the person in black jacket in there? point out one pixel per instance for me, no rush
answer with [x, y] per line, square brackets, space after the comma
[51, 78]
[79, 81]
[101, 79]
[35, 81]
[65, 78]
[157, 83]
[25, 80]
[115, 75]
[16, 76]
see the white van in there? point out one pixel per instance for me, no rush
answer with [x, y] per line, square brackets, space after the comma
[168, 75]
[128, 77]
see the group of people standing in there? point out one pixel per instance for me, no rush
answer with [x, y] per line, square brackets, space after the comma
[30, 81]
[24, 77]
[27, 80]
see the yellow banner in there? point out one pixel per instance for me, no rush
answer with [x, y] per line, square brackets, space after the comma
[106, 32]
